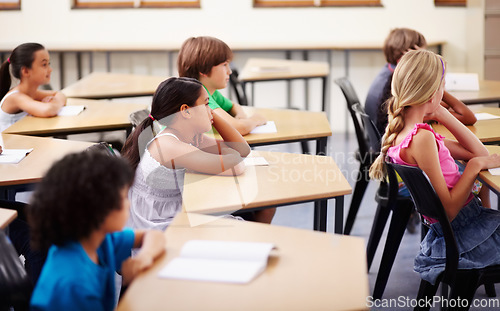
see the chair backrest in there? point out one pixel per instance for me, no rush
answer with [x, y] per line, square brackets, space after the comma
[371, 132]
[15, 285]
[238, 88]
[428, 204]
[102, 147]
[352, 99]
[138, 116]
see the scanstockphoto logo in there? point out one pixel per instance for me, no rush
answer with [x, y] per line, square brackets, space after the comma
[303, 169]
[405, 303]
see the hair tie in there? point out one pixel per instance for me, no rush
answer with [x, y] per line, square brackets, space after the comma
[8, 60]
[442, 64]
[151, 117]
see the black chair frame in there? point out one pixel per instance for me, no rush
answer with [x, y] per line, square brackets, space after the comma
[463, 283]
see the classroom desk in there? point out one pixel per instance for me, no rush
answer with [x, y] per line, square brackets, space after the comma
[488, 131]
[6, 217]
[288, 179]
[263, 69]
[32, 168]
[97, 116]
[101, 85]
[292, 126]
[489, 92]
[308, 271]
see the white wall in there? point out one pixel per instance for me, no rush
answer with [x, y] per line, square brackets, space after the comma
[54, 24]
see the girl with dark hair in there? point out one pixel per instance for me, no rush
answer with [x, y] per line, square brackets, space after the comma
[78, 213]
[181, 105]
[30, 63]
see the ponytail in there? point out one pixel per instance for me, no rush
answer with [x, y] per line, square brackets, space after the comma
[131, 149]
[5, 80]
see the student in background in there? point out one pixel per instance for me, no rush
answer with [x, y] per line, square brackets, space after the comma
[207, 59]
[30, 63]
[398, 42]
[78, 212]
[181, 105]
[417, 91]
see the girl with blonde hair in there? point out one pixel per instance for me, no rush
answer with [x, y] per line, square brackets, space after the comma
[417, 90]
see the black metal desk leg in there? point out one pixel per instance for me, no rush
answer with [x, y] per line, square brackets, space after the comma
[321, 146]
[339, 214]
[320, 215]
[79, 65]
[61, 69]
[323, 104]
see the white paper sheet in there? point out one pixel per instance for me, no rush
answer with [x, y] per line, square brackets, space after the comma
[269, 127]
[255, 161]
[485, 116]
[494, 171]
[13, 156]
[71, 110]
[462, 82]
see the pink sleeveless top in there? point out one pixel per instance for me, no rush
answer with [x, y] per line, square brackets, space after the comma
[448, 165]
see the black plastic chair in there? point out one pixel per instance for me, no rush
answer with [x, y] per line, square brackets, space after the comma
[463, 282]
[103, 147]
[238, 88]
[138, 116]
[15, 285]
[387, 201]
[365, 154]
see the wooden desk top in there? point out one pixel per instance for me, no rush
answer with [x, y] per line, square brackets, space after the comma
[32, 168]
[6, 217]
[291, 125]
[489, 92]
[308, 271]
[97, 116]
[263, 69]
[491, 180]
[488, 131]
[289, 178]
[100, 85]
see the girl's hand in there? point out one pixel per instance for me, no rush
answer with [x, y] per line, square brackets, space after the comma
[487, 162]
[260, 119]
[133, 266]
[1, 149]
[438, 115]
[47, 99]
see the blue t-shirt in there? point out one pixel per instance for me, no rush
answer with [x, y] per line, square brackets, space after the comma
[217, 100]
[70, 280]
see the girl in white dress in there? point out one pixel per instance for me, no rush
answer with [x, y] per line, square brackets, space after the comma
[180, 104]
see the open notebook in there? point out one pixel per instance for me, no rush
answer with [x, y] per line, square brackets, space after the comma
[13, 156]
[219, 261]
